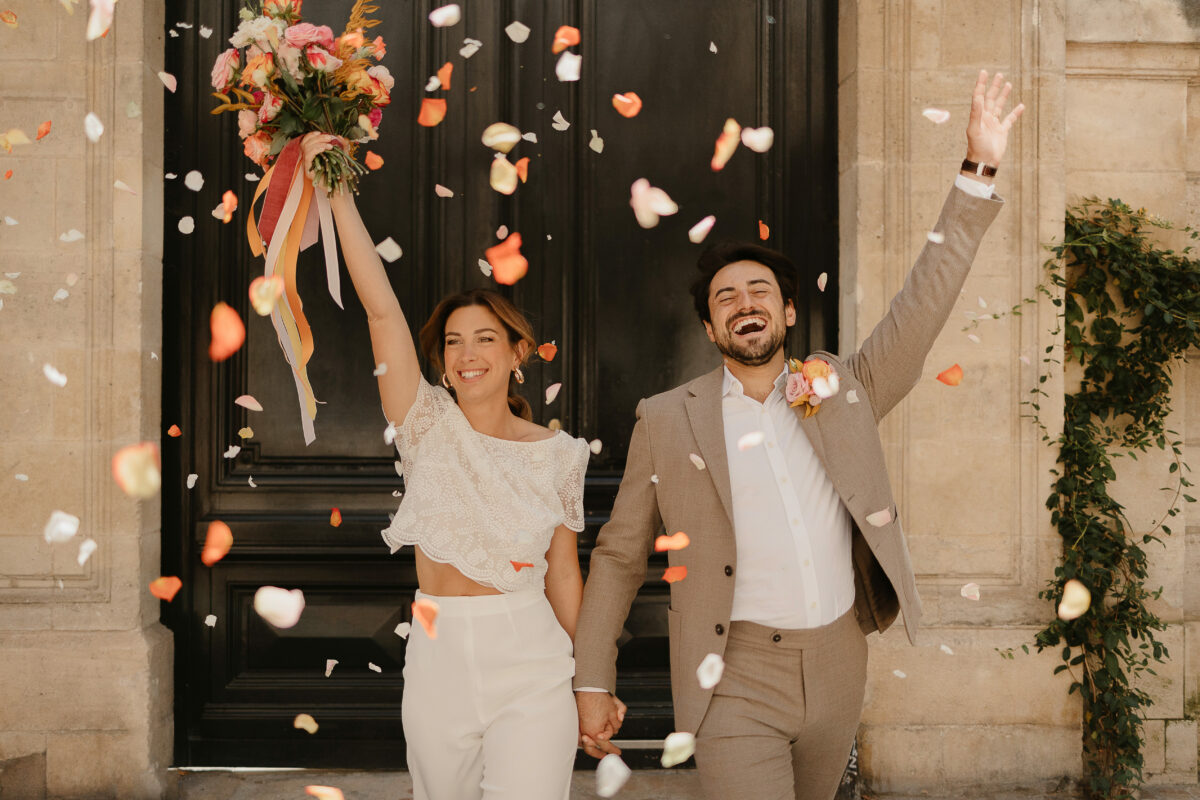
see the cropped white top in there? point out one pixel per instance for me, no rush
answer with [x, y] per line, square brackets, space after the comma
[484, 505]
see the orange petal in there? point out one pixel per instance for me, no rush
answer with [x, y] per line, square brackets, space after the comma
[228, 332]
[676, 541]
[627, 105]
[508, 265]
[325, 792]
[174, 432]
[673, 574]
[229, 202]
[43, 129]
[9, 18]
[373, 161]
[8, 174]
[952, 376]
[425, 611]
[216, 543]
[548, 351]
[764, 230]
[433, 111]
[264, 291]
[727, 143]
[135, 469]
[522, 166]
[165, 588]
[564, 37]
[520, 565]
[335, 517]
[444, 75]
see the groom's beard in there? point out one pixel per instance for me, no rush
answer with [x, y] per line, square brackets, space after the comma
[752, 354]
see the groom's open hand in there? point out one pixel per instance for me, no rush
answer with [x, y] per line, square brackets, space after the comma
[988, 127]
[600, 717]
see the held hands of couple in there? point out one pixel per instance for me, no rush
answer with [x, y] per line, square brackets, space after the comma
[600, 717]
[987, 129]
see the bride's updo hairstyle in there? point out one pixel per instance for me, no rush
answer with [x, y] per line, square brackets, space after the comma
[433, 335]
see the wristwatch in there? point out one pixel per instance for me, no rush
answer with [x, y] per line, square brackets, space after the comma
[986, 170]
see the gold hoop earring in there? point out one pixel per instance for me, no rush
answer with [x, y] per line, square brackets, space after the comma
[445, 382]
[519, 375]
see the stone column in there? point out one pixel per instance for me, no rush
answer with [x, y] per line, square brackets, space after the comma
[85, 666]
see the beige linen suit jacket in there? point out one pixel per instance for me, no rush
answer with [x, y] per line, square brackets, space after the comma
[688, 419]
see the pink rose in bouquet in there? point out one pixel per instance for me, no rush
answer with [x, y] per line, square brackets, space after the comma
[305, 33]
[269, 108]
[797, 387]
[258, 148]
[381, 74]
[288, 58]
[224, 70]
[378, 47]
[321, 60]
[375, 117]
[247, 122]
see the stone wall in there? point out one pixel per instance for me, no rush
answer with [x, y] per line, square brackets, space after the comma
[85, 667]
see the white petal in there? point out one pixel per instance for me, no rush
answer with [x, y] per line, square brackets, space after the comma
[280, 607]
[380, 369]
[446, 16]
[168, 81]
[899, 674]
[72, 235]
[822, 281]
[750, 440]
[611, 775]
[552, 392]
[502, 232]
[253, 178]
[568, 65]
[710, 670]
[169, 176]
[529, 136]
[501, 136]
[596, 143]
[123, 186]
[86, 548]
[233, 451]
[946, 650]
[1024, 360]
[758, 139]
[389, 434]
[433, 84]
[403, 629]
[936, 115]
[700, 230]
[191, 480]
[677, 748]
[211, 620]
[880, 518]
[485, 267]
[399, 468]
[373, 667]
[503, 176]
[250, 482]
[982, 302]
[61, 294]
[697, 461]
[517, 31]
[388, 250]
[470, 47]
[937, 237]
[194, 180]
[330, 663]
[61, 527]
[93, 127]
[305, 722]
[21, 476]
[53, 375]
[560, 122]
[852, 396]
[973, 338]
[970, 591]
[205, 31]
[442, 191]
[712, 47]
[9, 221]
[1076, 600]
[654, 479]
[187, 225]
[248, 401]
[595, 445]
[649, 203]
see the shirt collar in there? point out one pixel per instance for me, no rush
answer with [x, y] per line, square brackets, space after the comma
[732, 387]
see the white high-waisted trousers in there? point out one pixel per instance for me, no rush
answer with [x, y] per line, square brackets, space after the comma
[488, 709]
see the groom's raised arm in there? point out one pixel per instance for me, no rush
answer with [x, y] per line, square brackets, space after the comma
[890, 361]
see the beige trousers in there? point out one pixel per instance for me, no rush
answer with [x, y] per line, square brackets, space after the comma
[782, 720]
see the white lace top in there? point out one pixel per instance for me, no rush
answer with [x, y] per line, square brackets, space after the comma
[481, 503]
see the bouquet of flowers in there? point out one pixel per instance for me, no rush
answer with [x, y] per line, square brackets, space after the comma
[296, 77]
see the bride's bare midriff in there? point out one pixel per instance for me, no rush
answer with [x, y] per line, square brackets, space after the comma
[443, 580]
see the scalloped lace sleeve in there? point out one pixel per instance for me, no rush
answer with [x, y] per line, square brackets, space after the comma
[574, 466]
[429, 406]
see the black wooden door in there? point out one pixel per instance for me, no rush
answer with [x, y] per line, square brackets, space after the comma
[613, 296]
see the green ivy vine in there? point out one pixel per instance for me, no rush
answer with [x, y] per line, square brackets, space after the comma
[1128, 312]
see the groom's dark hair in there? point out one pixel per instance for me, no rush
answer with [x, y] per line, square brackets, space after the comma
[718, 255]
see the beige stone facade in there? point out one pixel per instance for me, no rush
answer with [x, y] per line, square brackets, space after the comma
[1113, 96]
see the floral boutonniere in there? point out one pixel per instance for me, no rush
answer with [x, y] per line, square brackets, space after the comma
[810, 382]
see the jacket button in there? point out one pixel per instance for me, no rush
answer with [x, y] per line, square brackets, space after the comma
[777, 638]
[728, 570]
[720, 629]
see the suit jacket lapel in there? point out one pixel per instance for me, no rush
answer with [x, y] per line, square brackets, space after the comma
[708, 426]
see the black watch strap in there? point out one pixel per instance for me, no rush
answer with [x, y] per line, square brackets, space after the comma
[986, 170]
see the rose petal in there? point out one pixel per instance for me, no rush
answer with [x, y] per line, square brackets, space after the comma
[567, 68]
[433, 111]
[522, 168]
[217, 543]
[229, 204]
[191, 480]
[517, 31]
[265, 290]
[72, 235]
[205, 31]
[508, 265]
[446, 16]
[970, 591]
[443, 75]
[750, 440]
[248, 401]
[936, 237]
[61, 294]
[710, 671]
[279, 607]
[1024, 360]
[520, 565]
[250, 176]
[470, 47]
[727, 143]
[654, 479]
[86, 548]
[250, 482]
[559, 122]
[701, 229]
[503, 177]
[899, 674]
[174, 432]
[211, 620]
[442, 191]
[673, 574]
[852, 396]
[60, 527]
[627, 105]
[44, 129]
[936, 115]
[952, 376]
[564, 37]
[388, 250]
[972, 337]
[697, 461]
[764, 232]
[325, 792]
[425, 611]
[335, 517]
[330, 663]
[186, 225]
[54, 376]
[403, 629]
[1076, 600]
[649, 203]
[611, 775]
[373, 160]
[595, 445]
[880, 518]
[305, 722]
[596, 144]
[547, 351]
[982, 302]
[552, 392]
[9, 18]
[678, 748]
[194, 180]
[168, 81]
[93, 127]
[946, 650]
[712, 47]
[135, 468]
[758, 139]
[380, 369]
[485, 267]
[228, 332]
[124, 187]
[166, 587]
[676, 541]
[822, 281]
[529, 136]
[232, 451]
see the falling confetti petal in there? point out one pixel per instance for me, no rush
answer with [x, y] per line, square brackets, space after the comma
[211, 620]
[596, 143]
[701, 229]
[433, 111]
[250, 176]
[501, 136]
[712, 47]
[228, 332]
[852, 396]
[279, 607]
[232, 451]
[187, 225]
[305, 722]
[388, 250]
[335, 517]
[61, 294]
[330, 663]
[86, 548]
[8, 173]
[1076, 600]
[217, 542]
[758, 139]
[611, 775]
[374, 667]
[508, 265]
[502, 232]
[566, 36]
[936, 115]
[485, 267]
[696, 460]
[972, 337]
[72, 235]
[425, 611]
[726, 145]
[123, 186]
[470, 47]
[174, 432]
[442, 191]
[9, 221]
[750, 440]
[168, 81]
[654, 479]
[191, 480]
[61, 527]
[627, 105]
[982, 302]
[547, 351]
[403, 629]
[945, 649]
[373, 160]
[250, 482]
[446, 16]
[880, 518]
[710, 670]
[529, 137]
[443, 75]
[899, 674]
[936, 237]
[674, 574]
[265, 290]
[559, 122]
[325, 792]
[248, 401]
[595, 445]
[517, 31]
[649, 203]
[952, 376]
[9, 18]
[93, 127]
[970, 591]
[229, 204]
[194, 180]
[53, 375]
[554, 425]
[389, 434]
[205, 31]
[676, 541]
[552, 392]
[169, 176]
[135, 468]
[503, 176]
[822, 281]
[568, 66]
[678, 748]
[764, 231]
[166, 587]
[520, 565]
[1024, 360]
[44, 130]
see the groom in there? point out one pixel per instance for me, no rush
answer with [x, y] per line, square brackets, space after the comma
[796, 549]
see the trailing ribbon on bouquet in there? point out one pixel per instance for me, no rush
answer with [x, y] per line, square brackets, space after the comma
[289, 223]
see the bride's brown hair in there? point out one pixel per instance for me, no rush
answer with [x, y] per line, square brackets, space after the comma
[433, 335]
